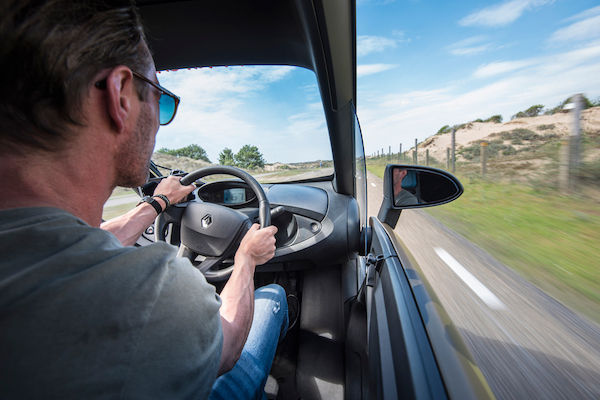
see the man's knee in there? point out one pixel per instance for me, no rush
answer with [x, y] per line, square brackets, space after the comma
[276, 294]
[272, 291]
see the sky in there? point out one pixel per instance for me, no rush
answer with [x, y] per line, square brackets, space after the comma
[421, 65]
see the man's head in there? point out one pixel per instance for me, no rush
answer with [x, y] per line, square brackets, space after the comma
[50, 55]
[399, 174]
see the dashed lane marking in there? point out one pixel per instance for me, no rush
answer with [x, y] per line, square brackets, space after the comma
[473, 283]
[374, 185]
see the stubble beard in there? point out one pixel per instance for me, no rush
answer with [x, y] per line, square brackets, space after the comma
[133, 161]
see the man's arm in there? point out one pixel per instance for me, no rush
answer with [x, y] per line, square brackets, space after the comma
[129, 226]
[237, 309]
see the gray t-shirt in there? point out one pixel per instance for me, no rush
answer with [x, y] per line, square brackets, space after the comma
[83, 317]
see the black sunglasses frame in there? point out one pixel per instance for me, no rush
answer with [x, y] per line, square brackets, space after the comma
[102, 85]
[163, 91]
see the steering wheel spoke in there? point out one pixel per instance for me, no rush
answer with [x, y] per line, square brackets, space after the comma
[213, 231]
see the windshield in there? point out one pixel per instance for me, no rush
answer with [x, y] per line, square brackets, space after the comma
[267, 120]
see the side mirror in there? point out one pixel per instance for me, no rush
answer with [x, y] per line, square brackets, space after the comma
[411, 186]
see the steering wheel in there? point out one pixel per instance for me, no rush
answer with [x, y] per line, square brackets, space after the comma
[211, 230]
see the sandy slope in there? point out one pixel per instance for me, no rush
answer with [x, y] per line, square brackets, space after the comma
[590, 122]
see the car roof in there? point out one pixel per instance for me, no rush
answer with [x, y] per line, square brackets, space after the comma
[318, 35]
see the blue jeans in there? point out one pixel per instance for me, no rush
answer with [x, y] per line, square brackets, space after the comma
[247, 378]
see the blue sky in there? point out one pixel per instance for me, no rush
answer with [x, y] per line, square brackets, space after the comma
[421, 65]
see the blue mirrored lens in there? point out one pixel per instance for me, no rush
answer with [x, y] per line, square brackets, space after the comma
[167, 107]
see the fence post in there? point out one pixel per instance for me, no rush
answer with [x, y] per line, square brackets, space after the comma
[415, 155]
[448, 158]
[563, 166]
[427, 157]
[483, 158]
[575, 142]
[453, 145]
[576, 133]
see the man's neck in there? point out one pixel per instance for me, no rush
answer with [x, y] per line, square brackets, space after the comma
[60, 180]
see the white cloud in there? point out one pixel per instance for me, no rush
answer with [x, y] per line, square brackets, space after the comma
[590, 12]
[401, 117]
[501, 14]
[588, 28]
[469, 46]
[218, 110]
[370, 69]
[500, 67]
[400, 36]
[372, 44]
[466, 51]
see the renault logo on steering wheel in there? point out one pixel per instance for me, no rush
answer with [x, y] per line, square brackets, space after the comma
[206, 221]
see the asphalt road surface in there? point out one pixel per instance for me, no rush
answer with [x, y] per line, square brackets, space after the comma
[528, 345]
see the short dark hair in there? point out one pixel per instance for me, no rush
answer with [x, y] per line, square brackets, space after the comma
[49, 53]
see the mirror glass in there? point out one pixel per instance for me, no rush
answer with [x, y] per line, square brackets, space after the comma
[414, 187]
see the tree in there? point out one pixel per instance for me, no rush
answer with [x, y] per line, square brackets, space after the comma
[226, 157]
[249, 157]
[192, 151]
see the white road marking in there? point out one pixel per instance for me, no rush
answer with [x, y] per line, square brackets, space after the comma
[374, 185]
[476, 286]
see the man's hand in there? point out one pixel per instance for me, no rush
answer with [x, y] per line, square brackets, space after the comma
[173, 189]
[237, 307]
[258, 246]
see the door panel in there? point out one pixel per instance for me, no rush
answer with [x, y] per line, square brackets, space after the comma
[401, 361]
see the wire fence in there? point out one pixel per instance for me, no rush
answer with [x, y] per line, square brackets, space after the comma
[547, 156]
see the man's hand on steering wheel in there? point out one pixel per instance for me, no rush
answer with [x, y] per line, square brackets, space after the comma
[173, 189]
[258, 245]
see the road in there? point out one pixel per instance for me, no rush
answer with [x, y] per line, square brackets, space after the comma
[528, 345]
[117, 201]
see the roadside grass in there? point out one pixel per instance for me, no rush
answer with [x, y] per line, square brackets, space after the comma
[550, 239]
[120, 191]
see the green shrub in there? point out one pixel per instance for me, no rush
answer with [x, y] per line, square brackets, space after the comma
[589, 172]
[549, 136]
[494, 147]
[444, 129]
[587, 103]
[495, 119]
[509, 151]
[517, 136]
[532, 111]
[546, 127]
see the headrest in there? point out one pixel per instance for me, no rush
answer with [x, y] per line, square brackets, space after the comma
[410, 180]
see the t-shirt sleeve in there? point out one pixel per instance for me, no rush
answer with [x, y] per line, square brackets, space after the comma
[178, 351]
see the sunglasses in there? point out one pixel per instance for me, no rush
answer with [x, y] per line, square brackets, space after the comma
[167, 103]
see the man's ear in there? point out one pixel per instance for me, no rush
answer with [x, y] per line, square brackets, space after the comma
[120, 88]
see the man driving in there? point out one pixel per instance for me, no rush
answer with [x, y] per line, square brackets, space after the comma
[84, 314]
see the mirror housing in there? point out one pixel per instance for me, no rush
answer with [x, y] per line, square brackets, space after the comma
[415, 186]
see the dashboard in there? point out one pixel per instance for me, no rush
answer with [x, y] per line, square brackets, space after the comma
[316, 225]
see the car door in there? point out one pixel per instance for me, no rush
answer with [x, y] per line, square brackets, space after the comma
[413, 350]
